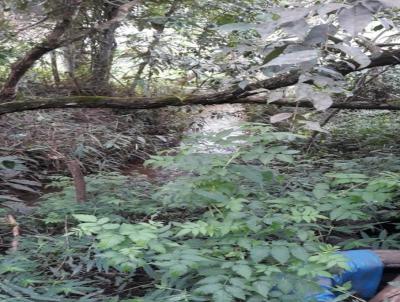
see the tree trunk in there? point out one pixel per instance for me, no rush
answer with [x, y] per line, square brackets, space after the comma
[102, 62]
[54, 69]
[69, 54]
[55, 40]
[51, 42]
[104, 45]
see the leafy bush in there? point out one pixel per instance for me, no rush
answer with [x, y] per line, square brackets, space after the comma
[253, 241]
[241, 224]
[109, 194]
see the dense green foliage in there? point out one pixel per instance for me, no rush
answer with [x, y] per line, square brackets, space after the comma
[256, 221]
[250, 214]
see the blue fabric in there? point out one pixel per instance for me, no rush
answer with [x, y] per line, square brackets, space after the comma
[365, 274]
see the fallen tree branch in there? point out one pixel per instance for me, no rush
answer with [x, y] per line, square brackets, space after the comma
[232, 95]
[389, 293]
[135, 103]
[390, 258]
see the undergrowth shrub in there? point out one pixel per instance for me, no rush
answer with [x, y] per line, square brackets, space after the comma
[232, 225]
[109, 194]
[366, 130]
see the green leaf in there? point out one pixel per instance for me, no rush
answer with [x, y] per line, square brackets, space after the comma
[242, 270]
[157, 246]
[103, 220]
[235, 204]
[222, 296]
[338, 213]
[127, 229]
[179, 270]
[303, 235]
[110, 226]
[280, 253]
[285, 158]
[259, 253]
[262, 288]
[321, 190]
[214, 196]
[110, 240]
[209, 288]
[285, 286]
[300, 253]
[85, 218]
[236, 292]
[252, 173]
[213, 279]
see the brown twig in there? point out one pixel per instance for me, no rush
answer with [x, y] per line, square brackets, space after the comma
[74, 168]
[15, 232]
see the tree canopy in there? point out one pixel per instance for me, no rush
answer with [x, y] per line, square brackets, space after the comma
[186, 48]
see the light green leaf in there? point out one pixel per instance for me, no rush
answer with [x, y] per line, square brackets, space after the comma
[222, 296]
[321, 190]
[236, 292]
[284, 158]
[85, 218]
[209, 288]
[280, 253]
[300, 253]
[262, 288]
[110, 240]
[259, 253]
[242, 270]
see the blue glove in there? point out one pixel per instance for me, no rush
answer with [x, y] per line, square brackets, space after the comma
[365, 274]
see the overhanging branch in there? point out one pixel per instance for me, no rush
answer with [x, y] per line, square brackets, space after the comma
[387, 58]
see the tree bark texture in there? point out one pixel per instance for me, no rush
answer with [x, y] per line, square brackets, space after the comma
[388, 294]
[51, 42]
[103, 44]
[134, 103]
[55, 40]
[79, 180]
[54, 69]
[251, 94]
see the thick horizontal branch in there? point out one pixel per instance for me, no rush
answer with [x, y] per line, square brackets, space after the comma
[134, 103]
[251, 94]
